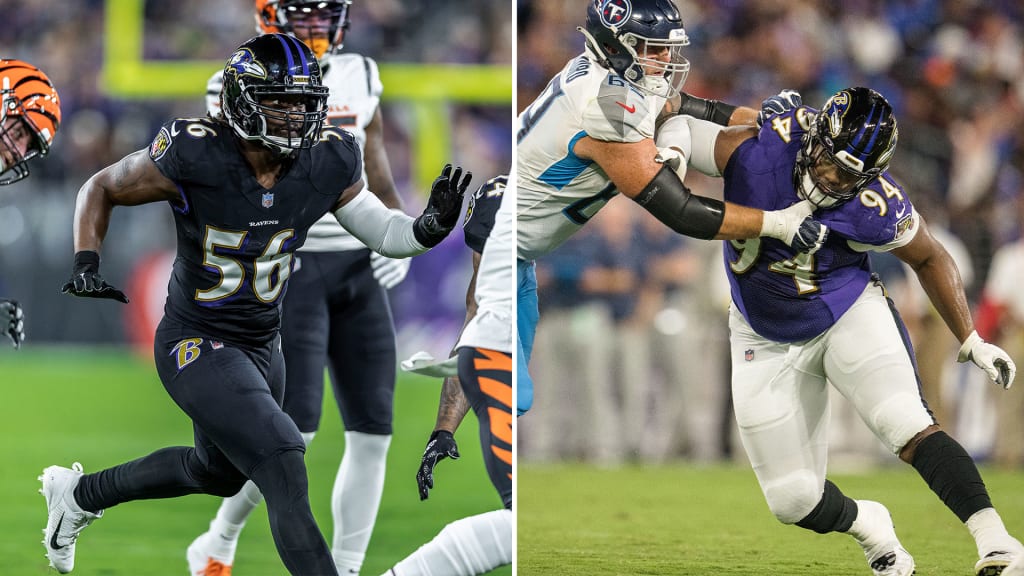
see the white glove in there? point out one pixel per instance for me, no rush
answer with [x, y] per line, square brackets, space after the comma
[796, 227]
[389, 272]
[424, 364]
[674, 159]
[990, 358]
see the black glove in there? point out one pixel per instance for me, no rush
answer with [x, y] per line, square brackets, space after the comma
[782, 102]
[86, 280]
[441, 445]
[443, 208]
[12, 321]
[810, 237]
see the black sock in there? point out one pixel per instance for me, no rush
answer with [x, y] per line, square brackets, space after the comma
[834, 513]
[159, 475]
[166, 473]
[951, 474]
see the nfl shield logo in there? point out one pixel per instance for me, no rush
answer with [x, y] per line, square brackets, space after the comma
[268, 199]
[748, 355]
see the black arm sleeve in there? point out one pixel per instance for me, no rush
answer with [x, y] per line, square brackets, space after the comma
[675, 206]
[711, 110]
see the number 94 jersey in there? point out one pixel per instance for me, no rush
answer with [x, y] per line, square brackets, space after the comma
[790, 297]
[235, 237]
[558, 192]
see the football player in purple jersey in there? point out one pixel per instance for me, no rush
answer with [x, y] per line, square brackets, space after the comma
[801, 321]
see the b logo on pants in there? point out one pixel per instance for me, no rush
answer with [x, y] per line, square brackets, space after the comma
[187, 351]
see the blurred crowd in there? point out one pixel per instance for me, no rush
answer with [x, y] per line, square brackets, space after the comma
[65, 39]
[655, 384]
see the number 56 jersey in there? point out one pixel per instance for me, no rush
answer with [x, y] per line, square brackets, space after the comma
[235, 237]
[558, 192]
[791, 297]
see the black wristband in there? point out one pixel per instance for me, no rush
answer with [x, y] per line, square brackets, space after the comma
[426, 234]
[434, 435]
[711, 110]
[87, 260]
[674, 205]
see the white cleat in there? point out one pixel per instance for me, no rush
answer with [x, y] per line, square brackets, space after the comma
[897, 562]
[203, 562]
[1015, 568]
[885, 555]
[1000, 564]
[66, 519]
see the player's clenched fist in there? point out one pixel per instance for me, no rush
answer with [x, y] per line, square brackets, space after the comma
[443, 207]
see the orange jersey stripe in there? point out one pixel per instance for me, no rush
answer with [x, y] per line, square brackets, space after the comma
[501, 424]
[498, 390]
[494, 360]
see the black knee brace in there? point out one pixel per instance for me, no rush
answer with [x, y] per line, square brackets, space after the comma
[834, 513]
[951, 474]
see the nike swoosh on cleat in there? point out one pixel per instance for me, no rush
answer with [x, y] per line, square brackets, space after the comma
[629, 109]
[53, 538]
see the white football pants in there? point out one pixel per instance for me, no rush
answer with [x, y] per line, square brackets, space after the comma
[782, 406]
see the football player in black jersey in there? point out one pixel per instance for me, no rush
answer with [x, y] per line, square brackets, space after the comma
[479, 543]
[29, 118]
[244, 190]
[336, 312]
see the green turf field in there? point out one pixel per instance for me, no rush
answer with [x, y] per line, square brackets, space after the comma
[681, 520]
[103, 408]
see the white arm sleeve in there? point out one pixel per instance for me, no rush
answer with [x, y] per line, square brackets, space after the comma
[694, 139]
[703, 136]
[385, 231]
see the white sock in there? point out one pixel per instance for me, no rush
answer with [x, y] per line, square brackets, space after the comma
[356, 497]
[465, 547]
[989, 533]
[233, 513]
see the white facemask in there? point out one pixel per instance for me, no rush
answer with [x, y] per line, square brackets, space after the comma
[808, 191]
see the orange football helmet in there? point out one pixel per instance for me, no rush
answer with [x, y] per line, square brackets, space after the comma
[320, 24]
[28, 95]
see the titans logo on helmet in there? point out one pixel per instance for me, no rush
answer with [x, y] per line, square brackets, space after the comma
[243, 63]
[615, 12]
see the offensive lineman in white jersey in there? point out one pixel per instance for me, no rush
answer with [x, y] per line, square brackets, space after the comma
[349, 324]
[590, 136]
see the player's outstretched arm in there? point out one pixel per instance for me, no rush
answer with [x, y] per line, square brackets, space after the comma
[725, 114]
[395, 234]
[656, 187]
[451, 409]
[133, 180]
[940, 279]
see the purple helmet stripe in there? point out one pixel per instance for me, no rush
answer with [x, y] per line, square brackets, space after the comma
[287, 49]
[874, 133]
[301, 49]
